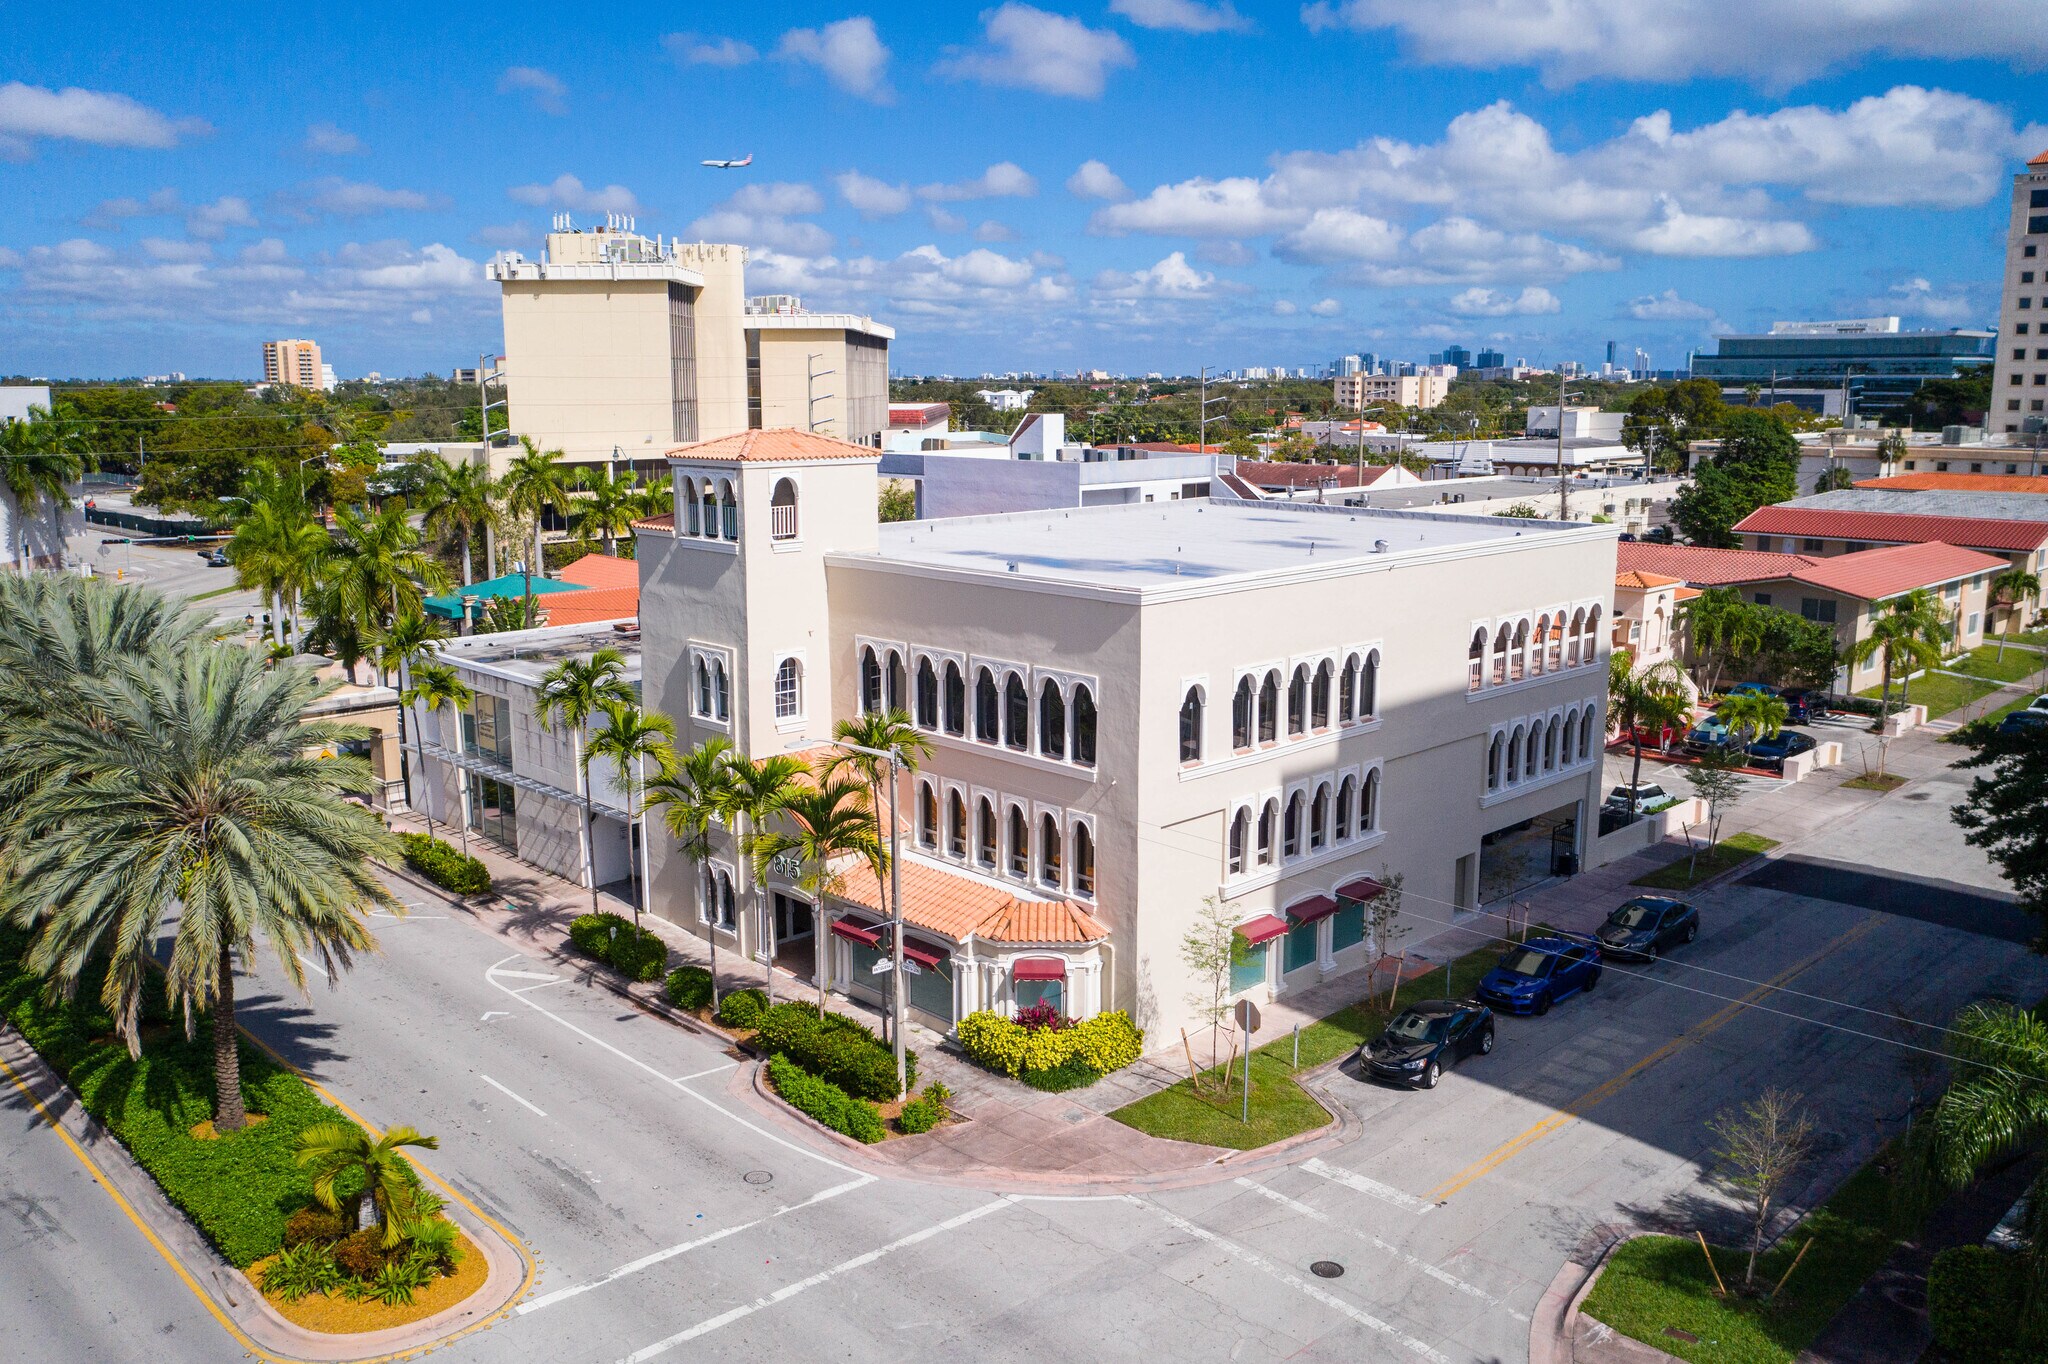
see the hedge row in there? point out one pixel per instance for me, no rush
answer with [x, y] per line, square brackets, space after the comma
[239, 1189]
[688, 988]
[638, 952]
[742, 1008]
[447, 867]
[1974, 1295]
[1055, 1056]
[825, 1102]
[834, 1048]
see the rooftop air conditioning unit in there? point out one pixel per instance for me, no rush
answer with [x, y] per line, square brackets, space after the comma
[1952, 435]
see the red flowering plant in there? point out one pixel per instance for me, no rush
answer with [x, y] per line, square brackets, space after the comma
[1043, 1015]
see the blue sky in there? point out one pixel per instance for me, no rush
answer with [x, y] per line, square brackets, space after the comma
[1142, 185]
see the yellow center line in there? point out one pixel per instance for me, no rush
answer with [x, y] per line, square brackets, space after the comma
[1501, 1154]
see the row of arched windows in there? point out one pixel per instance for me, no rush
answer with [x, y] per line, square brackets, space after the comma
[1331, 812]
[999, 707]
[715, 898]
[710, 509]
[1534, 748]
[1003, 844]
[1519, 649]
[712, 696]
[1315, 697]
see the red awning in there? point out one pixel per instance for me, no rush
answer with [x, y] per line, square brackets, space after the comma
[1038, 968]
[1265, 928]
[1364, 888]
[1308, 911]
[923, 956]
[856, 932]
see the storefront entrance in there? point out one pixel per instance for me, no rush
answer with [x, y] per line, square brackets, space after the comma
[1513, 858]
[796, 937]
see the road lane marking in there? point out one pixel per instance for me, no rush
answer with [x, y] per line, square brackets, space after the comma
[1295, 1281]
[1507, 1150]
[317, 967]
[508, 1093]
[1442, 1276]
[490, 1014]
[525, 975]
[542, 986]
[700, 1074]
[1372, 1188]
[788, 1291]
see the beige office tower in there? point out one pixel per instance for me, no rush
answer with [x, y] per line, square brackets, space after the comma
[295, 362]
[2019, 385]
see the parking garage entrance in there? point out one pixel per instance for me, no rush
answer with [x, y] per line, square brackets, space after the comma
[1519, 855]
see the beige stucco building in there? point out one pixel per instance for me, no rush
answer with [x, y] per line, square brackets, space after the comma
[1357, 391]
[1132, 710]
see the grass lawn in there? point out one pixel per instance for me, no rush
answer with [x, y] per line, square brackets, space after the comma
[1281, 1108]
[216, 592]
[1658, 1281]
[2039, 637]
[1983, 661]
[1688, 871]
[1872, 781]
[1940, 692]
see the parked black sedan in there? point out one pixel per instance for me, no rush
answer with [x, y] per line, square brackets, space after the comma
[1425, 1038]
[1770, 754]
[1646, 926]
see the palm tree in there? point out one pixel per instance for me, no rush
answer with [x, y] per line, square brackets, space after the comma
[629, 737]
[881, 732]
[532, 483]
[2009, 590]
[411, 636]
[1752, 715]
[190, 784]
[572, 691]
[41, 457]
[653, 498]
[1903, 631]
[457, 505]
[694, 793]
[756, 788]
[1722, 625]
[1649, 697]
[376, 572]
[389, 1194]
[826, 823]
[434, 685]
[609, 505]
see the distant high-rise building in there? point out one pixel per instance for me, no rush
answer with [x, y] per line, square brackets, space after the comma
[1368, 363]
[1455, 355]
[2024, 238]
[1614, 352]
[1489, 359]
[295, 362]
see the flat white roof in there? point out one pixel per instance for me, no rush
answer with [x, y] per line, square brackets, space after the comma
[820, 322]
[1156, 548]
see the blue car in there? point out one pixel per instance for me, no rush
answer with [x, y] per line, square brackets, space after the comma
[1539, 973]
[1752, 689]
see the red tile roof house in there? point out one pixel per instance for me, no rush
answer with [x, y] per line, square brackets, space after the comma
[1840, 590]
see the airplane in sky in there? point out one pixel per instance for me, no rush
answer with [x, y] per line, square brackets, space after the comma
[746, 160]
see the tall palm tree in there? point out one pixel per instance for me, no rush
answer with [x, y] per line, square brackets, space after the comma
[434, 685]
[389, 1195]
[376, 572]
[410, 637]
[2011, 590]
[190, 785]
[756, 789]
[628, 738]
[278, 547]
[1648, 697]
[1903, 633]
[880, 731]
[824, 824]
[1722, 626]
[653, 498]
[572, 691]
[608, 505]
[693, 793]
[41, 457]
[532, 483]
[458, 505]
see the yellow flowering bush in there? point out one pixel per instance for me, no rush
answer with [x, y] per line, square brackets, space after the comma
[1107, 1041]
[1103, 1043]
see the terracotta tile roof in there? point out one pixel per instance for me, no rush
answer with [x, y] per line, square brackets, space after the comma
[1958, 483]
[602, 570]
[1703, 567]
[780, 445]
[1278, 474]
[1685, 594]
[664, 523]
[1874, 574]
[958, 906]
[592, 604]
[1637, 578]
[1898, 528]
[2041, 160]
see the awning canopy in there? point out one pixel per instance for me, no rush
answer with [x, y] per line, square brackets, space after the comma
[922, 955]
[1038, 968]
[1364, 888]
[854, 931]
[449, 605]
[1265, 928]
[1312, 909]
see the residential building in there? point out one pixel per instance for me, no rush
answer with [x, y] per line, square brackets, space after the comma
[917, 426]
[2019, 385]
[1878, 364]
[327, 380]
[1421, 390]
[1006, 399]
[1647, 619]
[1132, 709]
[296, 362]
[1824, 530]
[1580, 423]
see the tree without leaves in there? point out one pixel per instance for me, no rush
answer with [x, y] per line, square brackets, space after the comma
[1759, 1148]
[1211, 946]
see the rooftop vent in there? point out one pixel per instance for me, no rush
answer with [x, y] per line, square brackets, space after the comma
[1380, 546]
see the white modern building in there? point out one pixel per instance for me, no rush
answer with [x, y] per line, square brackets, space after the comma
[1005, 399]
[2019, 385]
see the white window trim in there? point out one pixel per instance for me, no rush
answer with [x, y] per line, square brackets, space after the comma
[1074, 821]
[1268, 876]
[803, 686]
[939, 659]
[1334, 735]
[1039, 811]
[948, 788]
[711, 920]
[1002, 751]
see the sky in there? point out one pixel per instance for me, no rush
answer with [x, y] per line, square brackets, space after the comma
[1142, 185]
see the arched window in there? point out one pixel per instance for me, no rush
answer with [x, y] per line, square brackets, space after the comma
[1052, 720]
[1084, 727]
[870, 682]
[1554, 641]
[1657, 629]
[690, 513]
[726, 918]
[1016, 713]
[1269, 708]
[1269, 815]
[1369, 803]
[1240, 832]
[1571, 728]
[710, 496]
[1319, 696]
[956, 825]
[988, 707]
[1084, 860]
[1502, 640]
[1592, 636]
[1347, 691]
[1369, 686]
[927, 815]
[893, 679]
[1475, 665]
[1049, 853]
[1297, 700]
[1020, 844]
[1515, 755]
[1242, 703]
[1586, 734]
[1518, 654]
[1191, 726]
[927, 695]
[1532, 752]
[721, 694]
[1493, 763]
[729, 505]
[1290, 827]
[703, 688]
[956, 700]
[782, 510]
[985, 835]
[1571, 649]
[1319, 817]
[1536, 645]
[1346, 794]
[789, 689]
[1550, 748]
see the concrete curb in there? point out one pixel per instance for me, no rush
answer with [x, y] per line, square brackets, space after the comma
[1554, 1325]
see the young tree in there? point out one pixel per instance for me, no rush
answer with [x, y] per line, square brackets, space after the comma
[1751, 716]
[2011, 590]
[628, 738]
[1716, 779]
[694, 792]
[434, 685]
[1648, 697]
[1211, 946]
[573, 691]
[1759, 1148]
[824, 823]
[389, 1194]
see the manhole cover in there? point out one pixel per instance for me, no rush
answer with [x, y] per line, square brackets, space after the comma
[1326, 1269]
[757, 1177]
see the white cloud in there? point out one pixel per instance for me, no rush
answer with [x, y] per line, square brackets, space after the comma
[422, 316]
[341, 198]
[1236, 207]
[543, 88]
[1531, 302]
[28, 112]
[432, 269]
[1667, 307]
[1185, 16]
[1460, 251]
[1094, 180]
[325, 139]
[1283, 308]
[1328, 307]
[1679, 233]
[872, 198]
[566, 191]
[992, 231]
[1003, 180]
[1780, 42]
[1171, 278]
[691, 50]
[849, 53]
[944, 220]
[1334, 235]
[1226, 253]
[213, 220]
[924, 283]
[765, 215]
[1951, 305]
[1029, 49]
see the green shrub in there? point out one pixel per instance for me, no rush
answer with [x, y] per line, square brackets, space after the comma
[301, 1269]
[314, 1224]
[926, 1111]
[834, 1048]
[688, 988]
[637, 952]
[825, 1102]
[395, 1284]
[1973, 1305]
[436, 1244]
[742, 1009]
[449, 868]
[1106, 1042]
[781, 1024]
[361, 1254]
[1072, 1073]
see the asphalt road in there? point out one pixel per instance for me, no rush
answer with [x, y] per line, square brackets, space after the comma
[666, 1215]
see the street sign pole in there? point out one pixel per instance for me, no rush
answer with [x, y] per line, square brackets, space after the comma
[1247, 1015]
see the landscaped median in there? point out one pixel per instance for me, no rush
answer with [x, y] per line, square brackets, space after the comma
[1691, 869]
